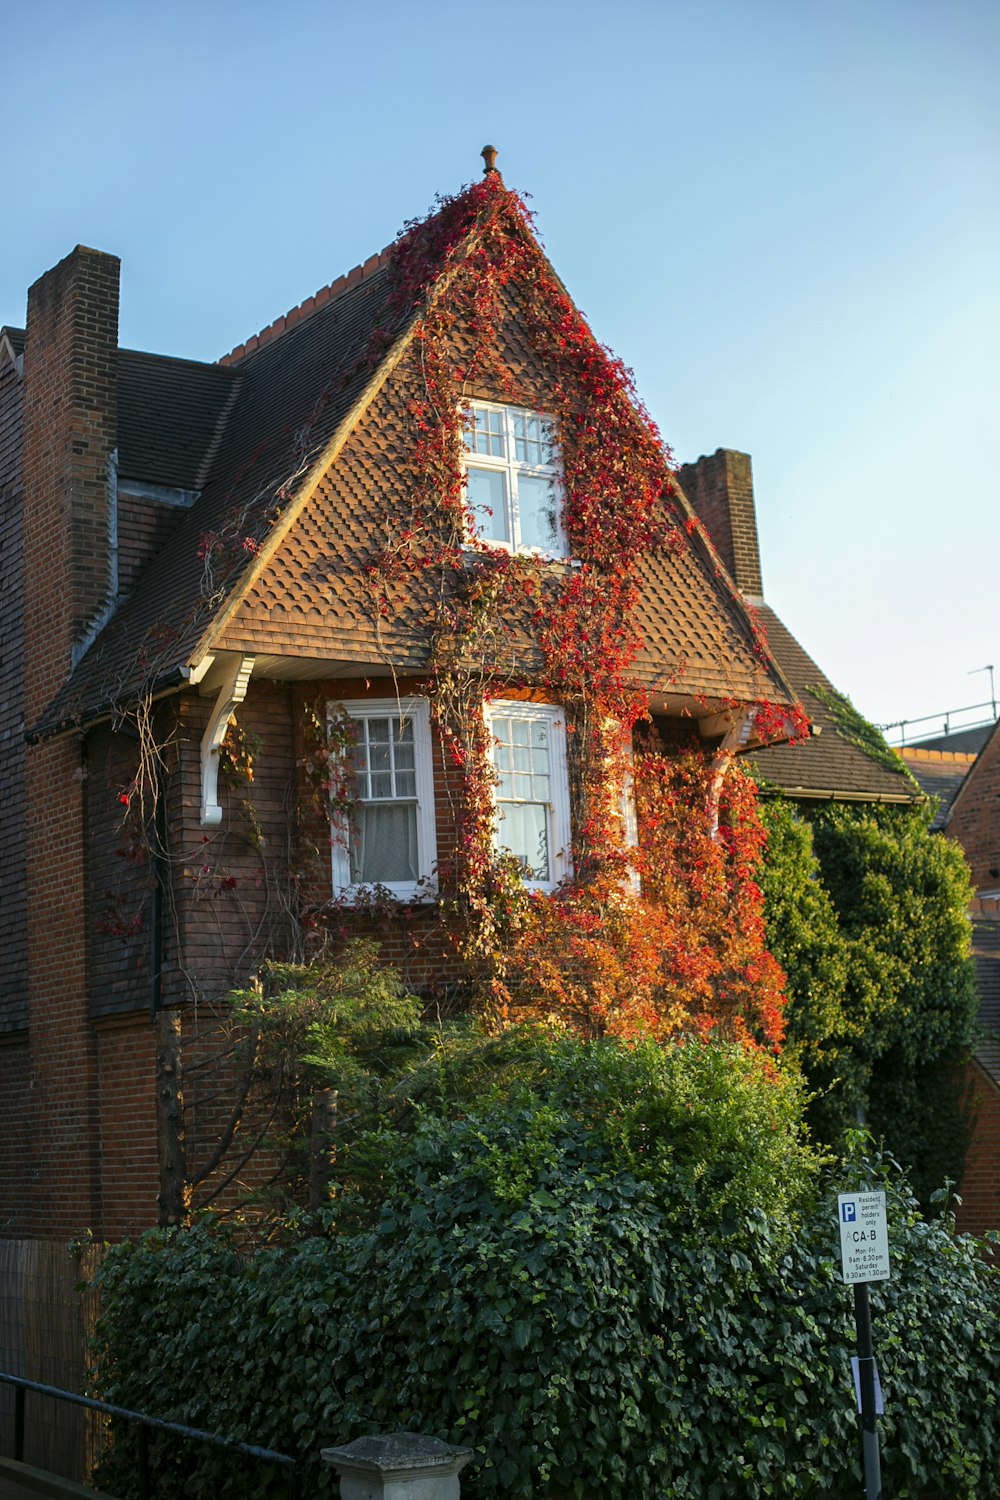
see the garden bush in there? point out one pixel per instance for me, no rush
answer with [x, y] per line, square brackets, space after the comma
[559, 1278]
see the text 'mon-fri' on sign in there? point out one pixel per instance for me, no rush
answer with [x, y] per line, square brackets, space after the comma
[864, 1236]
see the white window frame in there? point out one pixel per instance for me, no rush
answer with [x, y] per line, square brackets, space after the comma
[512, 468]
[417, 710]
[558, 823]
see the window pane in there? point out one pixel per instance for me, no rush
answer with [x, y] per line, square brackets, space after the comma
[384, 843]
[536, 501]
[487, 435]
[378, 757]
[531, 445]
[488, 503]
[522, 830]
[403, 757]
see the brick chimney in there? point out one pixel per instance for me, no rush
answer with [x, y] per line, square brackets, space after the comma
[720, 489]
[70, 432]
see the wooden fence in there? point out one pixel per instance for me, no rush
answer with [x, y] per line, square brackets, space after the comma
[45, 1322]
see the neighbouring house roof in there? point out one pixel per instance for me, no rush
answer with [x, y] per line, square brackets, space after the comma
[940, 774]
[846, 759]
[959, 741]
[255, 435]
[14, 337]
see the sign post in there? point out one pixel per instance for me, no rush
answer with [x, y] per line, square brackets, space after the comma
[864, 1255]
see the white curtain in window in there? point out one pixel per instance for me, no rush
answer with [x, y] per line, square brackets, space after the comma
[384, 843]
[522, 830]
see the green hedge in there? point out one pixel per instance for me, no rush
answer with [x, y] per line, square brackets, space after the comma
[867, 912]
[594, 1315]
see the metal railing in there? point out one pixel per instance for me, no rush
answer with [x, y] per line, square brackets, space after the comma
[945, 719]
[951, 721]
[144, 1425]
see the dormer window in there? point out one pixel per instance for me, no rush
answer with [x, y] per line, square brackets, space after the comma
[513, 472]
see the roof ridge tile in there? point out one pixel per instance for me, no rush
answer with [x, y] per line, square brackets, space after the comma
[309, 305]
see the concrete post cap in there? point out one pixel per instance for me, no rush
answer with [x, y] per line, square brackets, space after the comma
[398, 1454]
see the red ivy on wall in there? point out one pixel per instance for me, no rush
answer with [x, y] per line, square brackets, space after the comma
[690, 950]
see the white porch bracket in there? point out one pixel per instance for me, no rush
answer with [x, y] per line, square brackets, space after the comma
[231, 694]
[737, 736]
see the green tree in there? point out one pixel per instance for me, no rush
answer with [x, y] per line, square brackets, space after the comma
[867, 912]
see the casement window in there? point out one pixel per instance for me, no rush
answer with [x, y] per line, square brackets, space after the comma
[531, 794]
[514, 479]
[386, 835]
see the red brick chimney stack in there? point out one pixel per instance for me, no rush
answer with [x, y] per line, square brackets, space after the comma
[70, 430]
[720, 489]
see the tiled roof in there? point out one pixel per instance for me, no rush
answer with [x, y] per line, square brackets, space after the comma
[170, 415]
[940, 774]
[698, 639]
[828, 764]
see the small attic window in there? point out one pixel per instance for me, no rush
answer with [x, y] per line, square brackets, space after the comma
[514, 479]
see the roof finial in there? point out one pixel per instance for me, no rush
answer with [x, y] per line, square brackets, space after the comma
[489, 155]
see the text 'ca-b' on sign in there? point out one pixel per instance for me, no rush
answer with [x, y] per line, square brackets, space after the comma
[864, 1236]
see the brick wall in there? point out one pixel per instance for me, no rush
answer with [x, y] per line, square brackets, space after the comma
[118, 878]
[980, 1185]
[13, 937]
[126, 1084]
[720, 489]
[15, 1151]
[975, 817]
[143, 528]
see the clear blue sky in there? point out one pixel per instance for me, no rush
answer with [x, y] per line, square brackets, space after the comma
[785, 215]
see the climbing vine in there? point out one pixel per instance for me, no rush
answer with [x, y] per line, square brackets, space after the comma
[507, 623]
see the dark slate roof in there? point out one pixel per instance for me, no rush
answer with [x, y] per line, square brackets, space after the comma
[940, 774]
[170, 417]
[828, 764]
[986, 952]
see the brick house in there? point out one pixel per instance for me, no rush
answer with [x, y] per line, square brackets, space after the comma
[187, 542]
[972, 821]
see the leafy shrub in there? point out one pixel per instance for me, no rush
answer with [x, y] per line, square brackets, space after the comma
[561, 1279]
[867, 912]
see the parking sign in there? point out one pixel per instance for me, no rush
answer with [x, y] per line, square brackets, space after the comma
[864, 1237]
